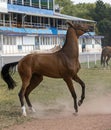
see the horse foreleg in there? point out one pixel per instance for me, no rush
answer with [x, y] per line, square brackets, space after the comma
[35, 81]
[72, 91]
[77, 79]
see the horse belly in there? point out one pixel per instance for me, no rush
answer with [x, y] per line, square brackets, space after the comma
[47, 69]
[50, 72]
[49, 65]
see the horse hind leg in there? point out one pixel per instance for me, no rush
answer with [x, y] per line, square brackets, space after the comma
[108, 58]
[104, 60]
[25, 84]
[77, 79]
[21, 95]
[34, 82]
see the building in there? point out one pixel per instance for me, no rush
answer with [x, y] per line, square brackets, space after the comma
[27, 25]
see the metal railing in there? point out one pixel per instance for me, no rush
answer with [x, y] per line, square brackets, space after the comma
[28, 24]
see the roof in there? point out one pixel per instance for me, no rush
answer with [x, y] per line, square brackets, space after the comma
[13, 31]
[74, 18]
[42, 12]
[24, 31]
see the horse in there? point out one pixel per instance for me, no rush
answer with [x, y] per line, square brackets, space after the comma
[63, 63]
[105, 55]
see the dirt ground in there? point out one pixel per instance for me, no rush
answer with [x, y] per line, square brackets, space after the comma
[84, 122]
[93, 115]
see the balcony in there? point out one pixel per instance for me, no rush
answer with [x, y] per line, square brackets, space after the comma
[13, 23]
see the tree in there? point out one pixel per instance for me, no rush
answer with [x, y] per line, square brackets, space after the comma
[105, 29]
[101, 14]
[78, 10]
[81, 10]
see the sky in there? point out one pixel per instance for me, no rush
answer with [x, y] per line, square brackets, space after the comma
[90, 1]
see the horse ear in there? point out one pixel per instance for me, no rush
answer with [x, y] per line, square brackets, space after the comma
[70, 24]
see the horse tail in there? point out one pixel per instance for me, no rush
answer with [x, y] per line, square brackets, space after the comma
[6, 72]
[102, 57]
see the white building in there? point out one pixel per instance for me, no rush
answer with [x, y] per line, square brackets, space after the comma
[27, 25]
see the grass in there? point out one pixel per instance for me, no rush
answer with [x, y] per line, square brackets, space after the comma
[97, 80]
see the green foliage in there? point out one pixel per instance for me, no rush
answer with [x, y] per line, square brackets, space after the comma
[100, 11]
[63, 3]
[82, 10]
[101, 14]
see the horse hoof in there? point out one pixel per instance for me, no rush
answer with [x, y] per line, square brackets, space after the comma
[75, 114]
[24, 114]
[32, 109]
[79, 103]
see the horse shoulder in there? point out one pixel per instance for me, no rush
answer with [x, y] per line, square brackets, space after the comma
[68, 66]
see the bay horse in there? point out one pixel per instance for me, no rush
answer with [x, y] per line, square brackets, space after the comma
[63, 63]
[105, 55]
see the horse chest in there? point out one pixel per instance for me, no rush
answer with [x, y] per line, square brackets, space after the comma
[70, 70]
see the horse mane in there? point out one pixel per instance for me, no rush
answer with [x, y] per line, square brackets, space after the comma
[70, 26]
[52, 50]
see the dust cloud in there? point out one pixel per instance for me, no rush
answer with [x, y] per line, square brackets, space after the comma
[61, 108]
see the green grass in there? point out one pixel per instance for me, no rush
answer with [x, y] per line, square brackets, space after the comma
[97, 80]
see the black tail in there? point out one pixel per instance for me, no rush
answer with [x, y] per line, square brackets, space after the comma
[6, 73]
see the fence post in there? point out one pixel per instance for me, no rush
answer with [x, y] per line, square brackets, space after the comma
[88, 61]
[2, 61]
[95, 58]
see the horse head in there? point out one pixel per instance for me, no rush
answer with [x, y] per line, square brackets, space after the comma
[80, 28]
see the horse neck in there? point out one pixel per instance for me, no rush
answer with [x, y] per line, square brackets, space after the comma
[70, 47]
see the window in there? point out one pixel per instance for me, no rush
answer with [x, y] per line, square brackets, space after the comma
[27, 2]
[44, 4]
[34, 19]
[7, 40]
[35, 3]
[9, 1]
[1, 17]
[7, 17]
[19, 2]
[19, 20]
[14, 1]
[28, 19]
[51, 4]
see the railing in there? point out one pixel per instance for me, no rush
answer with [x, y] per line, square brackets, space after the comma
[28, 24]
[36, 25]
[8, 23]
[62, 27]
[83, 57]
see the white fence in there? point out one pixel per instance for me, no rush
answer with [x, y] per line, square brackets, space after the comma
[83, 57]
[89, 57]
